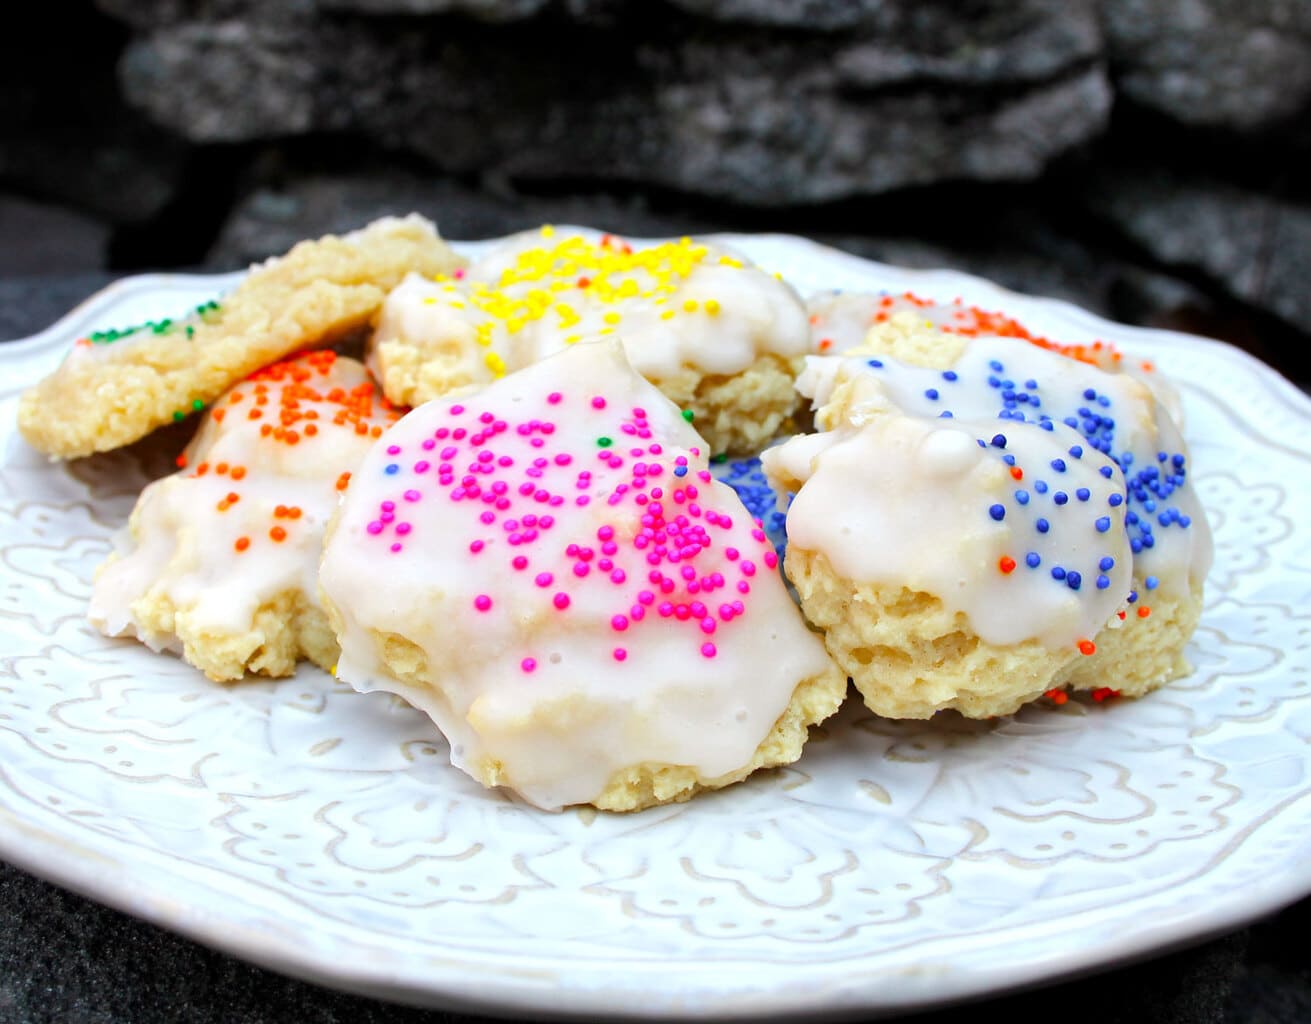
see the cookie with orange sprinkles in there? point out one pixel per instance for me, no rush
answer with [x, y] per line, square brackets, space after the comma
[116, 386]
[220, 561]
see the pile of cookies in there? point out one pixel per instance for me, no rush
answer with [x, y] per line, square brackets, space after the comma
[538, 555]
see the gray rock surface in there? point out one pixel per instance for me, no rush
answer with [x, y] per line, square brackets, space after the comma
[1251, 245]
[1237, 64]
[726, 111]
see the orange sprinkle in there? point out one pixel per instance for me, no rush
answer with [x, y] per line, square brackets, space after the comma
[265, 430]
[1057, 697]
[293, 512]
[202, 469]
[1006, 564]
[242, 543]
[280, 511]
[825, 344]
[1017, 473]
[254, 414]
[235, 397]
[278, 534]
[181, 461]
[218, 415]
[343, 481]
[310, 430]
[237, 472]
[292, 437]
[1103, 693]
[221, 468]
[1144, 611]
[1087, 647]
[1121, 614]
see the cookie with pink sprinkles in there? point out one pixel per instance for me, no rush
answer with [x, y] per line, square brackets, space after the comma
[550, 572]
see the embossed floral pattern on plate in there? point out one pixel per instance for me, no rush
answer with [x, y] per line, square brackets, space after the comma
[322, 832]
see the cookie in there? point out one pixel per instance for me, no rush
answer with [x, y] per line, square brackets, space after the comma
[555, 578]
[720, 337]
[973, 535]
[220, 560]
[115, 387]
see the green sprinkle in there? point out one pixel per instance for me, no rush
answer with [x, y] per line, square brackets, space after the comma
[179, 416]
[197, 404]
[191, 331]
[604, 442]
[721, 457]
[689, 415]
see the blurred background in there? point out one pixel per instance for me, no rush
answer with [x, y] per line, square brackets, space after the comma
[1146, 159]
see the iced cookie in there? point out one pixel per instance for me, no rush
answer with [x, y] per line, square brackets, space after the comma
[220, 560]
[720, 337]
[117, 386]
[549, 571]
[972, 536]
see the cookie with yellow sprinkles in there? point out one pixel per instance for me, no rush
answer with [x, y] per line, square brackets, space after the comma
[116, 386]
[220, 560]
[717, 335]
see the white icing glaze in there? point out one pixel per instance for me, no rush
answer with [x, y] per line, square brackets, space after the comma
[675, 306]
[440, 564]
[182, 546]
[894, 468]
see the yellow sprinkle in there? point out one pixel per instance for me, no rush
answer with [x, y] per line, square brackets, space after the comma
[495, 363]
[430, 300]
[778, 276]
[548, 231]
[712, 307]
[729, 261]
[457, 305]
[689, 306]
[612, 318]
[668, 314]
[573, 339]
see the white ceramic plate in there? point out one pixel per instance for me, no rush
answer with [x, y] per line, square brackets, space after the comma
[322, 833]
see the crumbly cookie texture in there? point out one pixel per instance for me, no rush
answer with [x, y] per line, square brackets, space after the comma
[560, 584]
[219, 561]
[117, 386]
[717, 335]
[1002, 522]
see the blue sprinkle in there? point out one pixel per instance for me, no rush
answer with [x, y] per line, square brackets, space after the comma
[1089, 394]
[999, 440]
[1008, 459]
[994, 382]
[1058, 465]
[996, 365]
[1133, 596]
[1083, 494]
[1184, 521]
[1077, 451]
[1178, 461]
[931, 394]
[1042, 525]
[1060, 497]
[1103, 582]
[1151, 582]
[1106, 564]
[949, 375]
[1070, 421]
[998, 512]
[1073, 580]
[1103, 524]
[1115, 500]
[876, 363]
[1106, 471]
[1058, 573]
[680, 471]
[1021, 497]
[1040, 486]
[946, 414]
[1033, 559]
[1103, 401]
[392, 469]
[1031, 384]
[1046, 425]
[1135, 545]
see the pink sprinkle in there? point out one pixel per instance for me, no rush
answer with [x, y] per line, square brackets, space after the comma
[482, 602]
[581, 569]
[707, 625]
[429, 444]
[708, 650]
[639, 412]
[459, 434]
[412, 495]
[618, 576]
[637, 613]
[620, 654]
[655, 449]
[456, 410]
[375, 527]
[554, 397]
[563, 459]
[403, 528]
[529, 664]
[486, 418]
[520, 562]
[582, 500]
[442, 433]
[395, 548]
[748, 568]
[544, 579]
[393, 449]
[598, 402]
[488, 517]
[731, 554]
[619, 623]
[688, 572]
[561, 600]
[771, 559]
[422, 465]
[476, 546]
[646, 597]
[609, 548]
[458, 274]
[743, 587]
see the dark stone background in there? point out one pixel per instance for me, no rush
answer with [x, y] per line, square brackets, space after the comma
[1146, 159]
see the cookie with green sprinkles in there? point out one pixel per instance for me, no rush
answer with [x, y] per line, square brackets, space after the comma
[117, 385]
